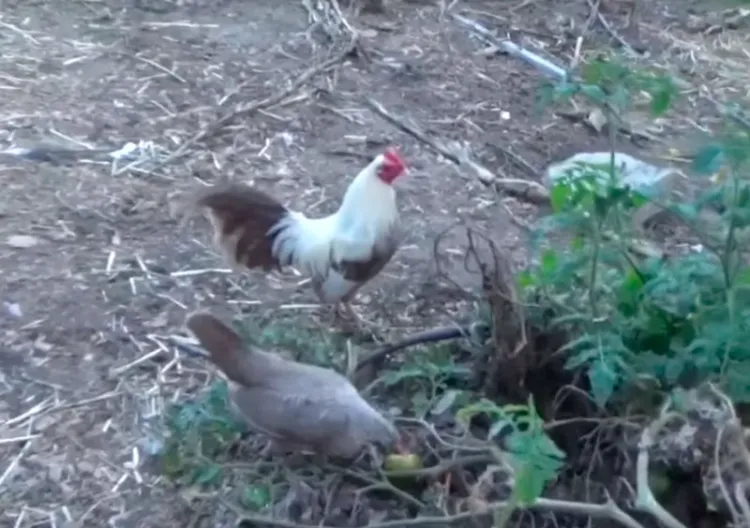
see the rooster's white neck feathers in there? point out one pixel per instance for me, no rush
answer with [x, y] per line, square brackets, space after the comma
[369, 204]
[367, 212]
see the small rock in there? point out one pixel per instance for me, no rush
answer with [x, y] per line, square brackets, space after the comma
[22, 241]
[13, 309]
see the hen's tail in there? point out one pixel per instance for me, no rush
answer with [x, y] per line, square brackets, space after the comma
[226, 349]
[243, 218]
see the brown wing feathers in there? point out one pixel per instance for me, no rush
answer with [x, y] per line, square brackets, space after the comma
[242, 217]
[364, 270]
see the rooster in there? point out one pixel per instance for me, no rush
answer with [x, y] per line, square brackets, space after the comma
[340, 252]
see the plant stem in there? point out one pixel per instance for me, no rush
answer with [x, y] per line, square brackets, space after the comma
[729, 241]
[596, 240]
[727, 265]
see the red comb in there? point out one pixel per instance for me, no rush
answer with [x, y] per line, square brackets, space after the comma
[391, 155]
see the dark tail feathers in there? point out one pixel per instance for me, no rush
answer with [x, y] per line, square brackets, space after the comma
[242, 217]
[225, 347]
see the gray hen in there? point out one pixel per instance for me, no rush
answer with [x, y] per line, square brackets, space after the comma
[298, 406]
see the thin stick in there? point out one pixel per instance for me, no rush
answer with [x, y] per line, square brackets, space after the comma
[12, 466]
[433, 335]
[412, 131]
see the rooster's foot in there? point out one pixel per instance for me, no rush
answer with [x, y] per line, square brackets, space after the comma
[350, 320]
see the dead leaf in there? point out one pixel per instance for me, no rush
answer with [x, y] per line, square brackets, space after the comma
[597, 119]
[42, 344]
[22, 241]
[159, 321]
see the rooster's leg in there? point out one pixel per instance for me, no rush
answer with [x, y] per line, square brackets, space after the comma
[352, 315]
[349, 319]
[346, 308]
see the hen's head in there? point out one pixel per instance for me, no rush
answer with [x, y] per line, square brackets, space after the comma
[389, 165]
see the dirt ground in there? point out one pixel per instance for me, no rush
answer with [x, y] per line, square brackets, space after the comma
[110, 272]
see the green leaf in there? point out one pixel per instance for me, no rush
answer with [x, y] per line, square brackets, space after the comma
[526, 279]
[498, 427]
[603, 379]
[559, 195]
[594, 92]
[208, 474]
[549, 263]
[569, 319]
[740, 217]
[445, 402]
[708, 160]
[530, 484]
[743, 197]
[601, 207]
[483, 406]
[743, 277]
[579, 343]
[673, 369]
[660, 101]
[687, 211]
[255, 497]
[620, 98]
[566, 89]
[581, 358]
[420, 403]
[395, 377]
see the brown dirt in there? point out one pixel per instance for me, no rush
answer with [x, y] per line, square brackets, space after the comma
[106, 73]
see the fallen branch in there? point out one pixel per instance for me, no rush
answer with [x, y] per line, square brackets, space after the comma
[432, 335]
[608, 510]
[252, 107]
[523, 189]
[645, 500]
[412, 131]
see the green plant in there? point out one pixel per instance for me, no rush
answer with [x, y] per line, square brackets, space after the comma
[614, 86]
[534, 457]
[425, 378]
[676, 321]
[199, 433]
[316, 346]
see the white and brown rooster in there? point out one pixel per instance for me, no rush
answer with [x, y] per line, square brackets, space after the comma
[340, 252]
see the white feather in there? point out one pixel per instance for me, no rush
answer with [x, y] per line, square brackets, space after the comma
[367, 211]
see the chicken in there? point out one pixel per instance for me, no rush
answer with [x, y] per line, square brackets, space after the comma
[340, 252]
[299, 406]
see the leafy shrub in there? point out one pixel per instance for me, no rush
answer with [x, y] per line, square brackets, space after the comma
[674, 321]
